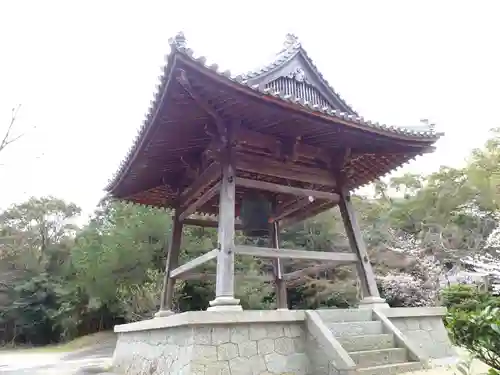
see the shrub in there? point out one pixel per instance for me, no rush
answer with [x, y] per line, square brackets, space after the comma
[479, 332]
[467, 298]
[405, 291]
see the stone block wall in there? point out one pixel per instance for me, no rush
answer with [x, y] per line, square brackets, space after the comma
[321, 362]
[222, 349]
[428, 333]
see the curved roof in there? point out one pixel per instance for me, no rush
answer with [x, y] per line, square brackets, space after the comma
[325, 125]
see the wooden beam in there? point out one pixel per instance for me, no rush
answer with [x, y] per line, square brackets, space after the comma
[269, 166]
[312, 210]
[209, 223]
[276, 188]
[219, 121]
[167, 295]
[256, 139]
[224, 286]
[281, 295]
[194, 263]
[286, 210]
[423, 150]
[212, 276]
[207, 177]
[204, 198]
[267, 252]
[364, 267]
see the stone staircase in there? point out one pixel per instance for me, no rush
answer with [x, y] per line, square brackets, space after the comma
[373, 351]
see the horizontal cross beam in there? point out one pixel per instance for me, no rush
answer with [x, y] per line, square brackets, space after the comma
[276, 188]
[267, 252]
[212, 276]
[208, 223]
[193, 263]
[251, 138]
[269, 166]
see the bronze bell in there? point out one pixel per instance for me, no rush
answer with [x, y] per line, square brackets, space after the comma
[255, 214]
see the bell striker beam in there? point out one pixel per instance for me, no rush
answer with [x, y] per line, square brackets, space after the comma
[224, 285]
[371, 296]
[167, 294]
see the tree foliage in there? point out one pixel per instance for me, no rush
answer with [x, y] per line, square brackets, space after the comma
[59, 280]
[479, 332]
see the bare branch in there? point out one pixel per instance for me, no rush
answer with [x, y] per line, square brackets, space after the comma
[7, 138]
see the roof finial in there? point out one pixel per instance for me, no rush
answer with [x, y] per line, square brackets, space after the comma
[178, 41]
[290, 41]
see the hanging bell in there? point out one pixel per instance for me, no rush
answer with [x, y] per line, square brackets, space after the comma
[255, 214]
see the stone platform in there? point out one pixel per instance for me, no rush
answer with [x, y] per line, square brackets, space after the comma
[286, 342]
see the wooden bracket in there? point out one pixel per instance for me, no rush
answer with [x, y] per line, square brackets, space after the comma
[203, 103]
[207, 177]
[339, 159]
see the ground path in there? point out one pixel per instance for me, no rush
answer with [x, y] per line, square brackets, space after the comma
[79, 362]
[97, 358]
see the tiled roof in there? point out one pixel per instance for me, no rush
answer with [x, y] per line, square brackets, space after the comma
[293, 47]
[178, 46]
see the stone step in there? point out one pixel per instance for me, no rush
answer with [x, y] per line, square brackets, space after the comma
[369, 358]
[355, 328]
[392, 369]
[345, 315]
[367, 342]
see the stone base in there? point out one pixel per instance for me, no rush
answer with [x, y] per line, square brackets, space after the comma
[225, 304]
[373, 302]
[275, 342]
[424, 327]
[214, 342]
[164, 313]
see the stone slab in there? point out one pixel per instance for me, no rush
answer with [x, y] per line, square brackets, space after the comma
[406, 312]
[214, 317]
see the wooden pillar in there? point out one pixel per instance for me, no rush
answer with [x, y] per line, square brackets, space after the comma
[224, 287]
[172, 262]
[281, 297]
[366, 275]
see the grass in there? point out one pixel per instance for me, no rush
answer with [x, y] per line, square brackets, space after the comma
[71, 346]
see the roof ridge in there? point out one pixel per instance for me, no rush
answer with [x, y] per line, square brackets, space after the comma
[291, 47]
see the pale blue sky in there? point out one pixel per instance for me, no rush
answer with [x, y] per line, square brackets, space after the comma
[85, 72]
